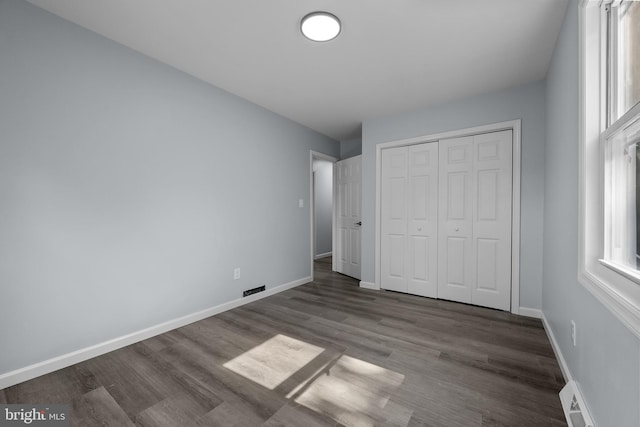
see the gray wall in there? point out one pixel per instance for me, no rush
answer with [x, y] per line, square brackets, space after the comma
[130, 190]
[606, 359]
[524, 102]
[323, 204]
[350, 148]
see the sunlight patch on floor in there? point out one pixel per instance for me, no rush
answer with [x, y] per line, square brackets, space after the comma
[349, 390]
[352, 392]
[273, 361]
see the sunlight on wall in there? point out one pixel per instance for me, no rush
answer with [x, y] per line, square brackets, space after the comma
[273, 361]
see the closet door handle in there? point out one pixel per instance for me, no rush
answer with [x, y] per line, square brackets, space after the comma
[359, 223]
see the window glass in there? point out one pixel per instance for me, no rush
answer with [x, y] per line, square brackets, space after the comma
[622, 196]
[627, 73]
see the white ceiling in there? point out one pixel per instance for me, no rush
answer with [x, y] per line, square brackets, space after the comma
[391, 57]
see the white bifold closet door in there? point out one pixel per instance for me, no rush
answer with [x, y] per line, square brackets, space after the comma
[446, 219]
[474, 232]
[410, 219]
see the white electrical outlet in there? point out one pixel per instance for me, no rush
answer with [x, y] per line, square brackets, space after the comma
[236, 273]
[573, 333]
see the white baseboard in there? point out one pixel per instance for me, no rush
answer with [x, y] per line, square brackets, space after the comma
[41, 368]
[369, 285]
[530, 312]
[324, 255]
[566, 373]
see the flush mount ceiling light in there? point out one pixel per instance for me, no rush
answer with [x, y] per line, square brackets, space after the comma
[320, 26]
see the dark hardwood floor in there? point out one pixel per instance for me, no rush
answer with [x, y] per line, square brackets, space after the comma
[323, 354]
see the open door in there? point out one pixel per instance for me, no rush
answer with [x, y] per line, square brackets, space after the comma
[348, 207]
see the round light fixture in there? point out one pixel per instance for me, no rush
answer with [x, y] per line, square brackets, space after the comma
[320, 26]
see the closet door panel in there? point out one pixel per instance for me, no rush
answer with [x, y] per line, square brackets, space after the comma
[393, 275]
[492, 219]
[422, 225]
[455, 212]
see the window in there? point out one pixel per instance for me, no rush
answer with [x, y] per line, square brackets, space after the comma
[609, 247]
[621, 136]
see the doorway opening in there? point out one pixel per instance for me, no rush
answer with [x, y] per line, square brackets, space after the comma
[321, 206]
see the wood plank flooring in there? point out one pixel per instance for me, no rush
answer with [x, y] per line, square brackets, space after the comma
[323, 354]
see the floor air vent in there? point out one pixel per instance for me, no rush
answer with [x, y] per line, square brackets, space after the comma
[573, 406]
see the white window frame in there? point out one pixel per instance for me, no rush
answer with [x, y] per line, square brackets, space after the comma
[616, 287]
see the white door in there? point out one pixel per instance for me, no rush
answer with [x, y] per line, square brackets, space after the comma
[393, 219]
[475, 220]
[348, 179]
[409, 219]
[422, 220]
[455, 269]
[492, 216]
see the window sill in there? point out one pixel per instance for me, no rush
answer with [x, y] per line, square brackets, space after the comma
[617, 288]
[627, 272]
